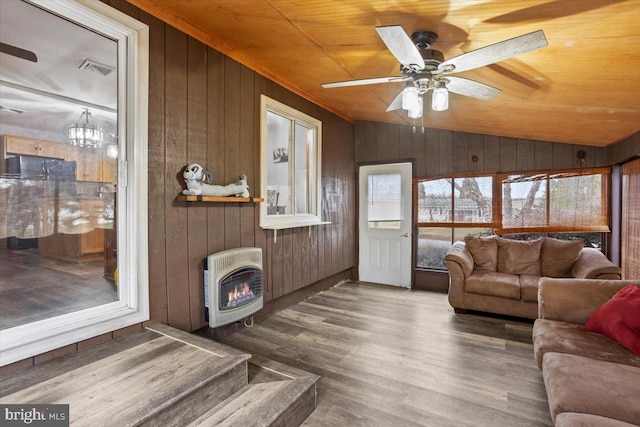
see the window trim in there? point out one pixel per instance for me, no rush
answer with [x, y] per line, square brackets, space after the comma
[277, 222]
[132, 306]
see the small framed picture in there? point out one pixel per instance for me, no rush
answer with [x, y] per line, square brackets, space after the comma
[280, 155]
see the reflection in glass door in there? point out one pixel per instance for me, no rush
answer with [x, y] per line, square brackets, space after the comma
[58, 174]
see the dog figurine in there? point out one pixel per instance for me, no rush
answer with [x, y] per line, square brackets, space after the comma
[199, 184]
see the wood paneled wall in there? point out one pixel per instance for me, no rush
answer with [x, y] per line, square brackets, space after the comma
[205, 107]
[625, 149]
[442, 152]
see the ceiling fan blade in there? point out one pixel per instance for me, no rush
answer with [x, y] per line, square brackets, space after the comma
[401, 46]
[11, 109]
[495, 52]
[551, 10]
[372, 81]
[18, 52]
[471, 88]
[396, 104]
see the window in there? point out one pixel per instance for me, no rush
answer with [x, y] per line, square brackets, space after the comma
[561, 204]
[467, 201]
[384, 195]
[290, 166]
[87, 212]
[447, 210]
[434, 242]
[555, 201]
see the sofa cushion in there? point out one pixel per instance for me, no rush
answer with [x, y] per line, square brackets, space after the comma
[484, 251]
[572, 338]
[494, 284]
[518, 256]
[619, 318]
[529, 287]
[573, 419]
[558, 256]
[580, 384]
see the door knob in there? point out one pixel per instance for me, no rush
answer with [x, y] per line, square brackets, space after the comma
[405, 235]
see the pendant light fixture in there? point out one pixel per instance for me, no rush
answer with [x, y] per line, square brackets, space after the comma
[85, 133]
[440, 96]
[416, 111]
[410, 97]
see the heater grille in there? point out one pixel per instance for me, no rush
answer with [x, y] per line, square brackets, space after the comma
[234, 285]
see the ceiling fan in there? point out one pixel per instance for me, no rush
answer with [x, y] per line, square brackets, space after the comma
[425, 69]
[18, 52]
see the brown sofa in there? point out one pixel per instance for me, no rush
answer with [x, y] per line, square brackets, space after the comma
[591, 380]
[498, 275]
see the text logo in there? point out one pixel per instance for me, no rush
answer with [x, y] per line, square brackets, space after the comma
[34, 415]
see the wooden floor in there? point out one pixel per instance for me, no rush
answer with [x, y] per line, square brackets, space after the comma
[34, 287]
[393, 357]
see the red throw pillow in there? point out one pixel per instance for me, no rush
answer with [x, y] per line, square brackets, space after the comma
[619, 318]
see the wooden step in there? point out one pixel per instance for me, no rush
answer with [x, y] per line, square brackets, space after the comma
[277, 395]
[277, 403]
[143, 378]
[166, 377]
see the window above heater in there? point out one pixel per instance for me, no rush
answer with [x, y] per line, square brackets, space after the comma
[291, 147]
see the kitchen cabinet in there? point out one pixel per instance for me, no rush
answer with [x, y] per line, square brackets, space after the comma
[32, 147]
[109, 169]
[88, 163]
[91, 164]
[74, 247]
[63, 238]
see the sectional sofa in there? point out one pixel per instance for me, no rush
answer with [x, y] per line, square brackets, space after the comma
[591, 379]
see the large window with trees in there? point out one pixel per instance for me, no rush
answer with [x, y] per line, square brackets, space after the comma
[555, 201]
[447, 210]
[562, 204]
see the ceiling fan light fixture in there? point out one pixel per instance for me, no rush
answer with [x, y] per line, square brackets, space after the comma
[85, 133]
[416, 112]
[440, 97]
[410, 97]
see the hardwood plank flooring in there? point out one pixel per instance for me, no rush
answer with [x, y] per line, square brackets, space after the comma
[394, 357]
[34, 287]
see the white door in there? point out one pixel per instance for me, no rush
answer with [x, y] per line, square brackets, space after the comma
[385, 224]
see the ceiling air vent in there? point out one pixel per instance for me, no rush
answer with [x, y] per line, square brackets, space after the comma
[96, 67]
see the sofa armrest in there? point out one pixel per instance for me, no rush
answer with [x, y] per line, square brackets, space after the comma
[456, 284]
[459, 254]
[593, 264]
[459, 262]
[574, 300]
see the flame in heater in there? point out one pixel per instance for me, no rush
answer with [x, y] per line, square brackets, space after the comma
[240, 296]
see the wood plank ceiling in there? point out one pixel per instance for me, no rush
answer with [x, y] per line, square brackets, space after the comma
[584, 88]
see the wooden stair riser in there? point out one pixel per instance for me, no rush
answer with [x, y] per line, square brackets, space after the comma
[200, 400]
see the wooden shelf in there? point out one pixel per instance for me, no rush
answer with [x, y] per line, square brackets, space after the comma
[230, 199]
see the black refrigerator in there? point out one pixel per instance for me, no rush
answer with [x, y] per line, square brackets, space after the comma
[33, 179]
